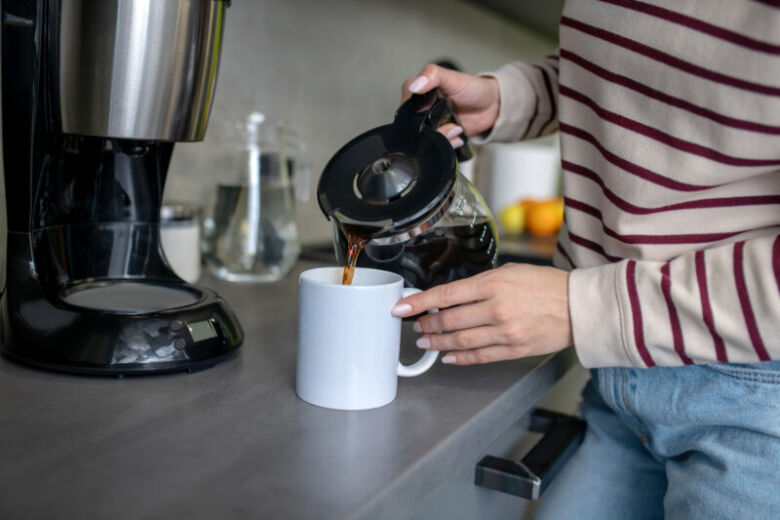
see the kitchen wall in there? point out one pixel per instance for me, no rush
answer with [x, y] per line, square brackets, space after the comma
[334, 69]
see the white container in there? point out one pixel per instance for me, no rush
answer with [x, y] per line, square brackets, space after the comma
[180, 238]
[348, 340]
[511, 172]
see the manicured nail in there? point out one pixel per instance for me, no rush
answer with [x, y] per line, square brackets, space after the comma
[455, 132]
[424, 343]
[401, 310]
[417, 327]
[418, 84]
[448, 359]
[457, 142]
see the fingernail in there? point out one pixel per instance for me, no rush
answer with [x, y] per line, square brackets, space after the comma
[401, 310]
[457, 142]
[424, 343]
[417, 327]
[418, 84]
[448, 359]
[455, 132]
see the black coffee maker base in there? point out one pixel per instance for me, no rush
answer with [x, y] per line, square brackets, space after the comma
[86, 330]
[140, 369]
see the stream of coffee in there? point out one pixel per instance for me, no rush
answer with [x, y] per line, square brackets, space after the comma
[355, 243]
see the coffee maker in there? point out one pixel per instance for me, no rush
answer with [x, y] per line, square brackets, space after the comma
[94, 94]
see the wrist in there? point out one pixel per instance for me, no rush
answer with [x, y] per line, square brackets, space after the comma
[493, 95]
[512, 105]
[596, 317]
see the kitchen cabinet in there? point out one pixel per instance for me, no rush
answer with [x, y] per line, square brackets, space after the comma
[459, 498]
[234, 441]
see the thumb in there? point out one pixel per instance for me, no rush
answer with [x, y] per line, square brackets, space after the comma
[431, 76]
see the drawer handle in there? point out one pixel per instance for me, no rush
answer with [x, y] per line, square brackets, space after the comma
[529, 477]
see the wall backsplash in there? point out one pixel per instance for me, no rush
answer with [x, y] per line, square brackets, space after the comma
[333, 69]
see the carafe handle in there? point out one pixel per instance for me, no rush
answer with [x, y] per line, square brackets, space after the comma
[433, 110]
[427, 360]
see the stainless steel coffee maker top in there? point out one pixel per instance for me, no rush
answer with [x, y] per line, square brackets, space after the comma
[139, 69]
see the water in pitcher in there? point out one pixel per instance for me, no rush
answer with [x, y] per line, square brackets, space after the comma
[250, 235]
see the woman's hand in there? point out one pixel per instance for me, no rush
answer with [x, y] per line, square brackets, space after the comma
[515, 311]
[475, 99]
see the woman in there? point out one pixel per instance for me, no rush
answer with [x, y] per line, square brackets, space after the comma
[668, 267]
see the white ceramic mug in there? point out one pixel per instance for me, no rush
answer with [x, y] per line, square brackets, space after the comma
[348, 341]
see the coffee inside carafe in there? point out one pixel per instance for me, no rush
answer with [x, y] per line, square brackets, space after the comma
[454, 249]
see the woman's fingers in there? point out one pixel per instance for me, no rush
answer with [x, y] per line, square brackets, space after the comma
[473, 338]
[405, 94]
[475, 99]
[440, 297]
[420, 84]
[456, 318]
[453, 133]
[450, 82]
[511, 312]
[478, 356]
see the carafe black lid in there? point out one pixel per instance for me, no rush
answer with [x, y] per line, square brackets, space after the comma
[393, 176]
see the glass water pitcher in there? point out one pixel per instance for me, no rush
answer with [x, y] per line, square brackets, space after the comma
[249, 229]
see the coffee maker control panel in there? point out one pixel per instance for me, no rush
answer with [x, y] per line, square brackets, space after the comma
[195, 333]
[202, 330]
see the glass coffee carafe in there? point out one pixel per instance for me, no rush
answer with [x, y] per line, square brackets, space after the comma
[249, 229]
[396, 191]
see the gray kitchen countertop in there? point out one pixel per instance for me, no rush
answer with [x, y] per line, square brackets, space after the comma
[234, 441]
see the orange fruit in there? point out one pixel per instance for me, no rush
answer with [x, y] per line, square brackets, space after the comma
[545, 218]
[528, 202]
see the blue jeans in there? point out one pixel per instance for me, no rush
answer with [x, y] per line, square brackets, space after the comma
[690, 442]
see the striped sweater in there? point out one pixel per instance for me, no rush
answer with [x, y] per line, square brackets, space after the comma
[669, 121]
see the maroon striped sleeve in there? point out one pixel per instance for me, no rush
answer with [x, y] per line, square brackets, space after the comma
[668, 59]
[591, 245]
[548, 85]
[674, 319]
[701, 278]
[697, 25]
[662, 137]
[717, 202]
[770, 3]
[744, 302]
[563, 252]
[636, 314]
[686, 238]
[663, 97]
[531, 119]
[776, 261]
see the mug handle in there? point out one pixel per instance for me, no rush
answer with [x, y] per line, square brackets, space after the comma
[427, 360]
